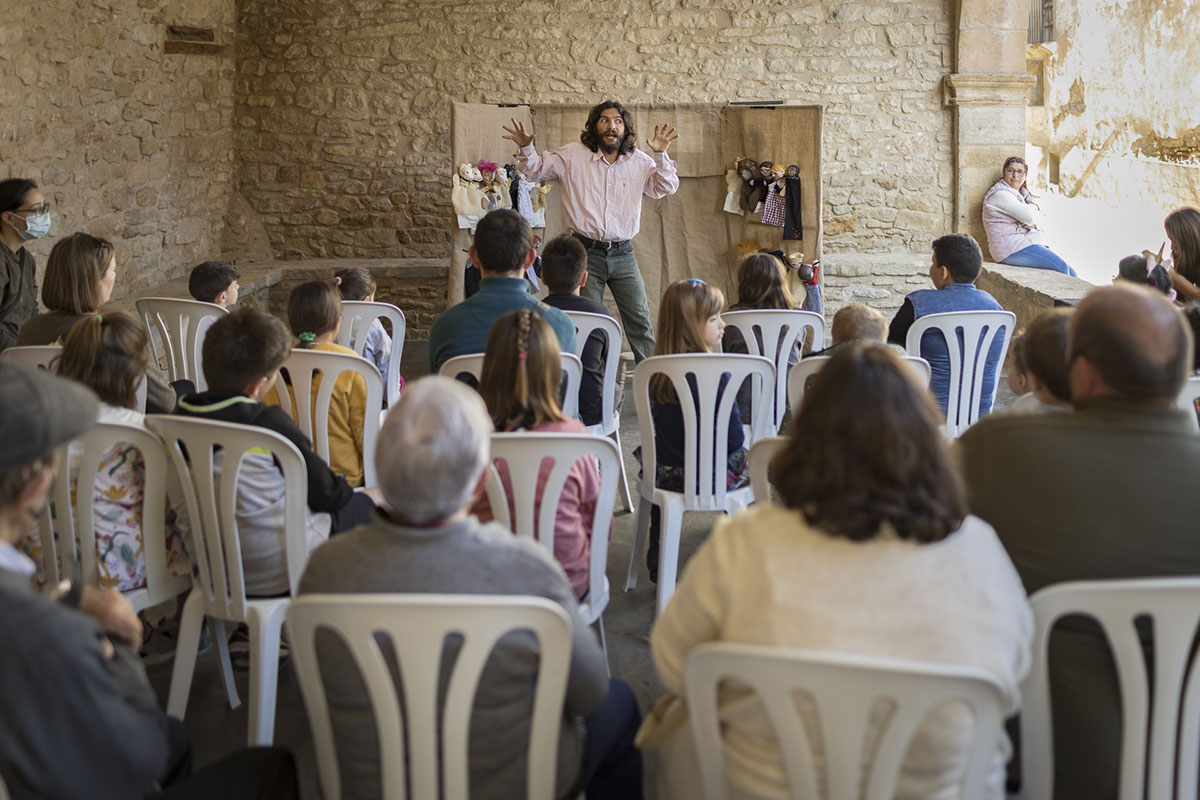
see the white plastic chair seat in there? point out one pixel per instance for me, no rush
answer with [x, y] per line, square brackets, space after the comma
[1171, 712]
[417, 626]
[797, 383]
[181, 325]
[1186, 400]
[843, 689]
[357, 317]
[610, 415]
[772, 333]
[705, 452]
[472, 364]
[302, 367]
[219, 592]
[968, 360]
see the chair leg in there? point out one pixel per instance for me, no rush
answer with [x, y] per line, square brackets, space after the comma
[604, 644]
[668, 563]
[185, 654]
[216, 632]
[626, 498]
[264, 672]
[641, 527]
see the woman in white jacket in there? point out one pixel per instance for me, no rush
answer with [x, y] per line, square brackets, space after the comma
[1012, 219]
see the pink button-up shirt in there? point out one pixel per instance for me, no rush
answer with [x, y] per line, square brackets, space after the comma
[602, 201]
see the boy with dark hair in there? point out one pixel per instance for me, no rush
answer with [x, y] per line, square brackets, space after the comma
[242, 354]
[564, 269]
[956, 263]
[214, 282]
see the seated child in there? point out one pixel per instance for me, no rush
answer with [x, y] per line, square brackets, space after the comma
[107, 353]
[1145, 270]
[214, 282]
[1018, 370]
[242, 355]
[1043, 348]
[564, 269]
[355, 283]
[315, 315]
[522, 373]
[689, 321]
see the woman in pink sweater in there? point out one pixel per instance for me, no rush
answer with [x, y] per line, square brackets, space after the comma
[520, 383]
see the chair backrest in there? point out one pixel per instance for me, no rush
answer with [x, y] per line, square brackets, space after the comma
[968, 336]
[418, 625]
[181, 324]
[524, 454]
[302, 367]
[1148, 768]
[208, 457]
[843, 689]
[38, 356]
[472, 364]
[357, 316]
[585, 325]
[772, 334]
[74, 521]
[758, 464]
[706, 446]
[1186, 400]
[797, 383]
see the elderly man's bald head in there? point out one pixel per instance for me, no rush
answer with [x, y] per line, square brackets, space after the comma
[1134, 341]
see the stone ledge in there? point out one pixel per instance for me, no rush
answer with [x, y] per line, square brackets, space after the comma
[1027, 292]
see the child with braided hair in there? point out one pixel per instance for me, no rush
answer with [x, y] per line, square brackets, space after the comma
[520, 384]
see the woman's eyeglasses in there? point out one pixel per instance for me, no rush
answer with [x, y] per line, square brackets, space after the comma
[44, 208]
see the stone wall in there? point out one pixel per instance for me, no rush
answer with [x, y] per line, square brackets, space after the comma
[878, 281]
[127, 141]
[344, 109]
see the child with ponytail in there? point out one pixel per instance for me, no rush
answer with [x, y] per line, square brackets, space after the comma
[520, 384]
[107, 353]
[355, 283]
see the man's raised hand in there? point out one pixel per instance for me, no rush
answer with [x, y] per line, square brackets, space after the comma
[663, 136]
[517, 134]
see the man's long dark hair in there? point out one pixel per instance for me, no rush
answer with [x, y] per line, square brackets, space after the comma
[591, 139]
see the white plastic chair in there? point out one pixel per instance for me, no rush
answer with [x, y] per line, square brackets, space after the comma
[797, 383]
[210, 488]
[843, 689]
[302, 367]
[1186, 400]
[38, 356]
[979, 330]
[472, 364]
[706, 449]
[585, 325]
[357, 316]
[1148, 770]
[758, 463]
[181, 324]
[418, 625]
[772, 333]
[524, 454]
[74, 522]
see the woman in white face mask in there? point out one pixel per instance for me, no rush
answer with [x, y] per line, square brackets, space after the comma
[24, 215]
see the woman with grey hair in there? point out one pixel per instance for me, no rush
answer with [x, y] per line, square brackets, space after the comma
[431, 452]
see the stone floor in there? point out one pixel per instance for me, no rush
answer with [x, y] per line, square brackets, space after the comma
[217, 730]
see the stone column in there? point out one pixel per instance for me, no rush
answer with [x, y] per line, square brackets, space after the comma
[988, 93]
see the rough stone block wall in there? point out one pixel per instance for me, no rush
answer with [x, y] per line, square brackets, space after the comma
[127, 141]
[878, 281]
[344, 109]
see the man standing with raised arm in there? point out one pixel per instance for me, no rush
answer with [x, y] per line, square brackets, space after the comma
[604, 177]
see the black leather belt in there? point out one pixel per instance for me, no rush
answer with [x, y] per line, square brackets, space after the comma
[596, 244]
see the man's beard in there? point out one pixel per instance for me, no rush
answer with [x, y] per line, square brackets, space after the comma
[611, 146]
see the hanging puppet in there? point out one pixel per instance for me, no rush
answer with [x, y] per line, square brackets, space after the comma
[467, 197]
[772, 213]
[494, 184]
[759, 184]
[737, 185]
[810, 277]
[792, 227]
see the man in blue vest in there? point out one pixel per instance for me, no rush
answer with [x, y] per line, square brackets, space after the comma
[956, 263]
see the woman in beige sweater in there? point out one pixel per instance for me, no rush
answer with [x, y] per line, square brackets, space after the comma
[873, 554]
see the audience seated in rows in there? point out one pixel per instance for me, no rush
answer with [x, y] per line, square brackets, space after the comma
[522, 375]
[214, 282]
[78, 717]
[242, 354]
[955, 265]
[503, 249]
[564, 269]
[80, 275]
[874, 553]
[857, 322]
[432, 451]
[1038, 374]
[1105, 491]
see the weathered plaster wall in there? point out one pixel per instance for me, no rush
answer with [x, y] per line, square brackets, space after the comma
[126, 141]
[344, 109]
[1121, 95]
